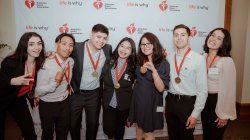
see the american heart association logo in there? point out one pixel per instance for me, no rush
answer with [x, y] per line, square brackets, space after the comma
[163, 5]
[30, 3]
[98, 4]
[193, 31]
[131, 28]
[64, 28]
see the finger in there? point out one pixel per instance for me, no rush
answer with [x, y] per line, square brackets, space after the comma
[25, 82]
[27, 75]
[28, 81]
[216, 120]
[187, 123]
[64, 69]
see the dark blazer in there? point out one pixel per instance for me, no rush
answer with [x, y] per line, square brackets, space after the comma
[78, 55]
[10, 68]
[123, 94]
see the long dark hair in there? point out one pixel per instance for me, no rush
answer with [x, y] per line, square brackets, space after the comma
[225, 49]
[157, 55]
[21, 51]
[131, 59]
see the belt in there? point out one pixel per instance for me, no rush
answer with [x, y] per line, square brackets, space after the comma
[181, 96]
[85, 91]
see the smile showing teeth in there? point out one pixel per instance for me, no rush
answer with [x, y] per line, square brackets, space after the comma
[212, 44]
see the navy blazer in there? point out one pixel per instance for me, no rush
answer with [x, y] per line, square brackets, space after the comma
[78, 55]
[123, 94]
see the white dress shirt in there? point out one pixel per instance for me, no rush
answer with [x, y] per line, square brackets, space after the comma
[46, 87]
[193, 79]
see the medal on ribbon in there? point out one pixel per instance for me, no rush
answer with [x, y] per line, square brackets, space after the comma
[178, 69]
[143, 70]
[66, 77]
[118, 75]
[95, 65]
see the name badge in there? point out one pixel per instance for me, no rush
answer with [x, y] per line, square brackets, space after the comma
[159, 109]
[126, 77]
[213, 71]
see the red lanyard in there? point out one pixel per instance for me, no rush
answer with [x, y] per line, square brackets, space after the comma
[209, 65]
[33, 74]
[119, 75]
[91, 59]
[67, 78]
[182, 61]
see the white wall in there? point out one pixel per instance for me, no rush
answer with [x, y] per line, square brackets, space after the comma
[7, 26]
[240, 34]
[246, 79]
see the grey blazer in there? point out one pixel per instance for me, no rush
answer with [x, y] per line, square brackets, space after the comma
[78, 55]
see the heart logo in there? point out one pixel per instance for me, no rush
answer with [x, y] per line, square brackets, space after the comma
[64, 28]
[193, 31]
[131, 28]
[30, 3]
[98, 4]
[163, 5]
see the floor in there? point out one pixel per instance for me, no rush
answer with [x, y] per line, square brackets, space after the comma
[237, 130]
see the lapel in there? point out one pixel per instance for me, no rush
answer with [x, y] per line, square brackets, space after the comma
[81, 56]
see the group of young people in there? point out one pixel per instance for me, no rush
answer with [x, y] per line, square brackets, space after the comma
[128, 84]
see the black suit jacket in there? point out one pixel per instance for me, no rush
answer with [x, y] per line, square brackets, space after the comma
[78, 55]
[123, 94]
[10, 68]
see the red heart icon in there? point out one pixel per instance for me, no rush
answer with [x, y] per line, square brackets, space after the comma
[64, 28]
[29, 3]
[131, 28]
[163, 6]
[193, 31]
[98, 4]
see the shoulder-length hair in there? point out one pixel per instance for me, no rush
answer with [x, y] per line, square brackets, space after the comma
[132, 59]
[226, 45]
[157, 55]
[21, 51]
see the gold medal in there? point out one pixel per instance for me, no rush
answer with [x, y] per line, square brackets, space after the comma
[117, 85]
[95, 74]
[177, 80]
[143, 70]
[30, 94]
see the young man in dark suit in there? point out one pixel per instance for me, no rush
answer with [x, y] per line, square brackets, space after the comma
[89, 57]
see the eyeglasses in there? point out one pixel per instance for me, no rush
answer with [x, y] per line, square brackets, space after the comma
[216, 37]
[147, 45]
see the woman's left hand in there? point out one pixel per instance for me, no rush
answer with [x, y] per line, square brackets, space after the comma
[221, 122]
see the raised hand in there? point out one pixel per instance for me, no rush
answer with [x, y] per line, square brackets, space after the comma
[59, 76]
[150, 66]
[50, 54]
[22, 80]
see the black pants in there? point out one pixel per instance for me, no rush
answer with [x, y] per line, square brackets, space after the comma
[91, 101]
[114, 122]
[20, 112]
[208, 116]
[55, 116]
[177, 111]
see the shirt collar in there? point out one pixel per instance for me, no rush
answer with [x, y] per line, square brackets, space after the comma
[61, 61]
[188, 56]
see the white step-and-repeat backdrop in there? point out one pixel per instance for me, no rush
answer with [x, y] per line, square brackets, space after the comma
[129, 18]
